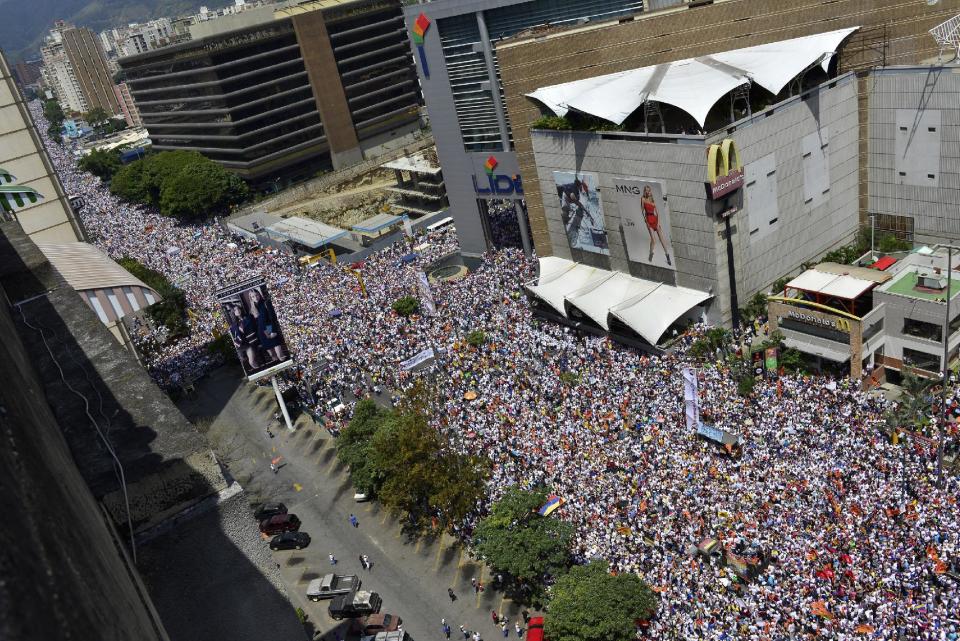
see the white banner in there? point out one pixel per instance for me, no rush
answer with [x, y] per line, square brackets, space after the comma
[426, 295]
[691, 397]
[422, 357]
[407, 226]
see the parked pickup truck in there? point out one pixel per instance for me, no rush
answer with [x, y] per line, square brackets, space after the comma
[331, 585]
[354, 605]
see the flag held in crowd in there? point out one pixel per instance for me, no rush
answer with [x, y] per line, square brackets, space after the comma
[552, 503]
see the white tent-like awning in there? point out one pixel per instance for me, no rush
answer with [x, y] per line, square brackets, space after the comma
[646, 307]
[652, 314]
[694, 85]
[828, 284]
[595, 301]
[554, 288]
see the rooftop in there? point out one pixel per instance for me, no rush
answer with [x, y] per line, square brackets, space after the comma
[417, 163]
[310, 233]
[376, 223]
[905, 284]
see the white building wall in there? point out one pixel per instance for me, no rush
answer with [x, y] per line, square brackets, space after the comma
[914, 149]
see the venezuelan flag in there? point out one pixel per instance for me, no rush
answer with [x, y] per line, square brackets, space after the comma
[552, 503]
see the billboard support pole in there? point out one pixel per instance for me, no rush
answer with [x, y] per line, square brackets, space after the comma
[283, 405]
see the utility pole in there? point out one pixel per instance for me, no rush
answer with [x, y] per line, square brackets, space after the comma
[942, 423]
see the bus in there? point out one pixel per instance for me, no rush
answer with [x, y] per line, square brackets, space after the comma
[440, 224]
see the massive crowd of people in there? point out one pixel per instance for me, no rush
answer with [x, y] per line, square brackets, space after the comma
[862, 541]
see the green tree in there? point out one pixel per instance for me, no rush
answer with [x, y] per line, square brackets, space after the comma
[198, 189]
[101, 163]
[519, 542]
[590, 604]
[354, 445]
[171, 310]
[792, 360]
[406, 305]
[756, 307]
[183, 184]
[128, 183]
[97, 117]
[53, 113]
[421, 477]
[476, 338]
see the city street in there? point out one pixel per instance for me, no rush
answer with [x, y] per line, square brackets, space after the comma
[412, 576]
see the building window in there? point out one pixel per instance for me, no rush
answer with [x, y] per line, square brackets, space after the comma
[921, 360]
[922, 329]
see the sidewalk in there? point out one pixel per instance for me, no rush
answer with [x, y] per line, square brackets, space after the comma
[412, 576]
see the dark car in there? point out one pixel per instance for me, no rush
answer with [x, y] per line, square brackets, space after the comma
[267, 510]
[280, 523]
[354, 605]
[376, 623]
[290, 541]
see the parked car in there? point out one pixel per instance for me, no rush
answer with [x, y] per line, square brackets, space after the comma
[290, 541]
[377, 623]
[535, 629]
[395, 635]
[267, 510]
[331, 585]
[354, 605]
[361, 497]
[280, 523]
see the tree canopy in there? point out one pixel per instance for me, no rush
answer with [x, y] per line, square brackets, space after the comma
[422, 477]
[101, 163]
[354, 443]
[516, 540]
[171, 311]
[183, 184]
[590, 604]
[406, 305]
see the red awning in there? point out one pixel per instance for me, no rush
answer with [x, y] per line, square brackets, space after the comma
[883, 263]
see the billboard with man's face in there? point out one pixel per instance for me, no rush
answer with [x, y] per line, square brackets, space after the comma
[254, 329]
[645, 217]
[581, 211]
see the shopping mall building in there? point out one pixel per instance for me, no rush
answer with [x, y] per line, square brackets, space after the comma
[692, 154]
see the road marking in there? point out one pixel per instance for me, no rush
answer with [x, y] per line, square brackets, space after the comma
[456, 576]
[386, 515]
[419, 543]
[483, 568]
[436, 559]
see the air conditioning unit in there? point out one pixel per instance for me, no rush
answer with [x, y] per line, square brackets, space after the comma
[931, 280]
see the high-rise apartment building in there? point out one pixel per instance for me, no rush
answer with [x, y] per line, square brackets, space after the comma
[58, 73]
[90, 68]
[75, 68]
[127, 107]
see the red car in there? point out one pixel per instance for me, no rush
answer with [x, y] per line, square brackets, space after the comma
[535, 629]
[279, 524]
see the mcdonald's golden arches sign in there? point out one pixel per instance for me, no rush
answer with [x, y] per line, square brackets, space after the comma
[724, 169]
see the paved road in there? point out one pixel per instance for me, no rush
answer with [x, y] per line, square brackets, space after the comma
[412, 576]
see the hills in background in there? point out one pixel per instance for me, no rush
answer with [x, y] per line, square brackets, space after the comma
[24, 23]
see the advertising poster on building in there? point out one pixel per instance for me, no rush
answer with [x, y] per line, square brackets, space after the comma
[645, 217]
[581, 211]
[254, 329]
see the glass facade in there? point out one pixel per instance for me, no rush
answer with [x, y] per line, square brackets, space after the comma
[460, 36]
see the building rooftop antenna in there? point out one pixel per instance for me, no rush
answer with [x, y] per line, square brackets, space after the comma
[947, 34]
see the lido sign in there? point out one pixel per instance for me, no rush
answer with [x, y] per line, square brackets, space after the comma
[494, 184]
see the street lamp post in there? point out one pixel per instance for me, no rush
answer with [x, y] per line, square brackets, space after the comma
[942, 424]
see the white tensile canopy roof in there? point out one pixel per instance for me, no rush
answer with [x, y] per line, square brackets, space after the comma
[693, 84]
[836, 285]
[595, 301]
[554, 288]
[646, 307]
